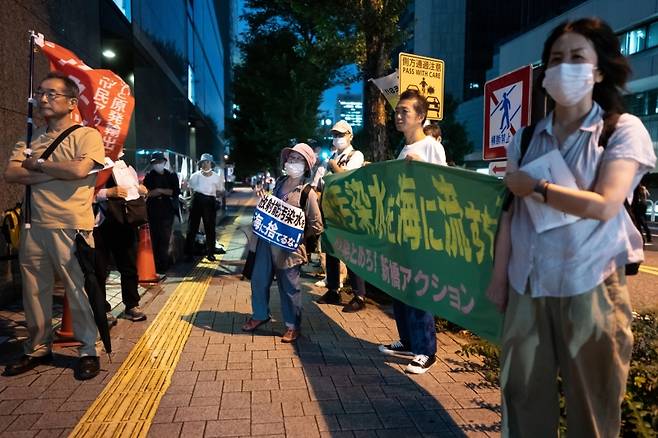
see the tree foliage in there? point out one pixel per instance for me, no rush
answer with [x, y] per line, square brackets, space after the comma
[292, 52]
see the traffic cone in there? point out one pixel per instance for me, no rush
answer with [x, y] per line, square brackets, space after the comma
[65, 332]
[145, 260]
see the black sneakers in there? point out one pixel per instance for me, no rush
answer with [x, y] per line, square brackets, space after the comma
[330, 297]
[355, 305]
[397, 348]
[134, 314]
[420, 364]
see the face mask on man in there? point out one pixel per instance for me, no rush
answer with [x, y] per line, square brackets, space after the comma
[568, 84]
[294, 170]
[159, 167]
[340, 143]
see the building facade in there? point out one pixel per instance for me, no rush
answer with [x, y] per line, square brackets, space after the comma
[349, 107]
[175, 54]
[637, 28]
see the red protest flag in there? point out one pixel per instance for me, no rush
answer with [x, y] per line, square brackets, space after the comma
[105, 101]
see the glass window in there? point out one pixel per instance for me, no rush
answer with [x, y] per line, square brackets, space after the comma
[652, 37]
[190, 83]
[635, 40]
[622, 44]
[652, 102]
[124, 7]
[637, 104]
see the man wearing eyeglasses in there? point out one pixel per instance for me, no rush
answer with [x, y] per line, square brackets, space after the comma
[61, 199]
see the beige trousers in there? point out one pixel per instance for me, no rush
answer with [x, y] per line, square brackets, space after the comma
[587, 339]
[43, 253]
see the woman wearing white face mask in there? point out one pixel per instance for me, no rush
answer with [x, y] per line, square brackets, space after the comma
[564, 289]
[269, 259]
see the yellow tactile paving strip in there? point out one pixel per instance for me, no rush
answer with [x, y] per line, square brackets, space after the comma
[128, 404]
[649, 269]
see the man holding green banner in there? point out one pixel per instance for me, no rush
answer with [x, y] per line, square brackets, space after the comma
[422, 233]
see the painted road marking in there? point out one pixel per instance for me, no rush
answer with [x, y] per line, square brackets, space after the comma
[128, 404]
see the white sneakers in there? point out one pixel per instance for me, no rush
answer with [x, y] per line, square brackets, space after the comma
[418, 365]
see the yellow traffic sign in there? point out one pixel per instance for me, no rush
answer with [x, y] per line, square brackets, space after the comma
[426, 76]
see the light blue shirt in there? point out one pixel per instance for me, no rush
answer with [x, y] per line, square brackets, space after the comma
[574, 258]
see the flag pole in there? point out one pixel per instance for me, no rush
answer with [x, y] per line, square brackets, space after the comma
[27, 209]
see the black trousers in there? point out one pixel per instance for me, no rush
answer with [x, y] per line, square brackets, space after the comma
[333, 277]
[641, 219]
[118, 241]
[203, 207]
[160, 225]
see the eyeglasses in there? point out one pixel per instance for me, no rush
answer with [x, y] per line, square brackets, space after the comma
[50, 95]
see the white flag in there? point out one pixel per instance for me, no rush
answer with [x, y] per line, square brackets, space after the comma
[390, 87]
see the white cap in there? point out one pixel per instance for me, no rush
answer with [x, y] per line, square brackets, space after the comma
[342, 126]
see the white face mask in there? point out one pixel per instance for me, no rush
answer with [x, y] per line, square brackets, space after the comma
[568, 84]
[340, 143]
[159, 167]
[295, 170]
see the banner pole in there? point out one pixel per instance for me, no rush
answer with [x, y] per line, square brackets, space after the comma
[27, 209]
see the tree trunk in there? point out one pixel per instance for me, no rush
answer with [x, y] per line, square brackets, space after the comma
[375, 123]
[377, 54]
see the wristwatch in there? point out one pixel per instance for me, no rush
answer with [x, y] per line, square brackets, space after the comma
[541, 188]
[40, 162]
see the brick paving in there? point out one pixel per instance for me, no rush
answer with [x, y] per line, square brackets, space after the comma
[332, 383]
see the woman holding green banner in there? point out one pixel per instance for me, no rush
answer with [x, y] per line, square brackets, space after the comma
[271, 259]
[562, 281]
[415, 327]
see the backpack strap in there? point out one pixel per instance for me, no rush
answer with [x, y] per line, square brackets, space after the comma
[345, 161]
[526, 137]
[303, 198]
[60, 138]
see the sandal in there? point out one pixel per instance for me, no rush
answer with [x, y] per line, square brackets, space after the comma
[252, 324]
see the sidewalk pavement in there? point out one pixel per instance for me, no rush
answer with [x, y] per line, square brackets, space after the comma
[332, 383]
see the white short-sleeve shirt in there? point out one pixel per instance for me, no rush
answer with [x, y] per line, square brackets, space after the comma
[207, 185]
[428, 150]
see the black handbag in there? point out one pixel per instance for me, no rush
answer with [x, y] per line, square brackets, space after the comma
[124, 212]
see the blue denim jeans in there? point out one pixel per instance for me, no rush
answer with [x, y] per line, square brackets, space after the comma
[416, 328]
[287, 281]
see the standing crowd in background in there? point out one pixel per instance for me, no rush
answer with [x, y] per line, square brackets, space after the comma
[563, 291]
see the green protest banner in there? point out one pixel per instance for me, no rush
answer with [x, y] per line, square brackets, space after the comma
[422, 233]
